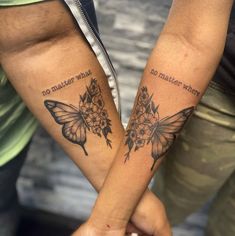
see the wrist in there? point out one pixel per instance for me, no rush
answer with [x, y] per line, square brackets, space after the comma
[89, 229]
[150, 216]
[106, 221]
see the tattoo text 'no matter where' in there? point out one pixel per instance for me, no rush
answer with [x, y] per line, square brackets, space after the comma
[172, 80]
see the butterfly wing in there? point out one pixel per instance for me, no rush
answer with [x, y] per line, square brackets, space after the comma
[166, 131]
[74, 128]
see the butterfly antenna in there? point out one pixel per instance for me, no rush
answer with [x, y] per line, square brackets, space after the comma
[83, 147]
[127, 155]
[153, 164]
[108, 142]
[156, 158]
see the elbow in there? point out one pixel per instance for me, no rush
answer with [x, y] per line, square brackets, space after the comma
[205, 43]
[199, 43]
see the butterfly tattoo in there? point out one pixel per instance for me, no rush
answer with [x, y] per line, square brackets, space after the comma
[145, 127]
[89, 116]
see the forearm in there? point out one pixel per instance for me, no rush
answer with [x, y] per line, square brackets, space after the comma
[50, 64]
[175, 78]
[52, 68]
[96, 161]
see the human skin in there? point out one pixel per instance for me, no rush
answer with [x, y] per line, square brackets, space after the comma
[177, 74]
[39, 51]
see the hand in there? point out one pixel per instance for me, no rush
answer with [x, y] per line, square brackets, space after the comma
[150, 216]
[89, 229]
[149, 219]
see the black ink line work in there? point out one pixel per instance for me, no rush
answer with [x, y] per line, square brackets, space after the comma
[146, 127]
[90, 115]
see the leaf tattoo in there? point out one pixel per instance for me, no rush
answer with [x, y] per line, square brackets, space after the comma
[90, 115]
[145, 127]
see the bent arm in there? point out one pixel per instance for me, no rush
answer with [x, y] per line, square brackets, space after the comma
[55, 72]
[176, 76]
[59, 78]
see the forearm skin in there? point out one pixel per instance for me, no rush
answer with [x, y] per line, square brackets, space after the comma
[175, 78]
[44, 63]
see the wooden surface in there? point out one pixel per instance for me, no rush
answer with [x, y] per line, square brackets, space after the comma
[49, 180]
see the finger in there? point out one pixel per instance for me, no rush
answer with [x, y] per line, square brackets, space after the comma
[135, 234]
[134, 231]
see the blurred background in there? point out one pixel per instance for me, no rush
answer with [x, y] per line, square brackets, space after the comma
[54, 195]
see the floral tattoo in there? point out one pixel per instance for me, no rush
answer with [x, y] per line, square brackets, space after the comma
[146, 126]
[90, 115]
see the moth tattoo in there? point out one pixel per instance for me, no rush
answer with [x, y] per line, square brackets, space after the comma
[89, 115]
[146, 127]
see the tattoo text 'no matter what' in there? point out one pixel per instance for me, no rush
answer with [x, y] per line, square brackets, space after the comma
[66, 83]
[174, 81]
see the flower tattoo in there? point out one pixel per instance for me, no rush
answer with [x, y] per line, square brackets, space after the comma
[90, 115]
[145, 127]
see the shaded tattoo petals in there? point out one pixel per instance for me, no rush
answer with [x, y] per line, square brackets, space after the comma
[147, 118]
[94, 88]
[139, 110]
[98, 101]
[96, 130]
[133, 135]
[93, 119]
[104, 114]
[143, 98]
[143, 131]
[103, 124]
[89, 108]
[132, 125]
[139, 143]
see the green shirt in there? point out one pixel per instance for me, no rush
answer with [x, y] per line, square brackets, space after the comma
[17, 2]
[17, 124]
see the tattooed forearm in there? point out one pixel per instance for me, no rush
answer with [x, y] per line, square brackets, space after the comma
[90, 115]
[147, 128]
[66, 83]
[172, 80]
